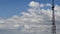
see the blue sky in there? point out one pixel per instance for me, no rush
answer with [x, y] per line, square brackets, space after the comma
[8, 8]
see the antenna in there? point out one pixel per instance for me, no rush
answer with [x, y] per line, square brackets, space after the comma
[53, 19]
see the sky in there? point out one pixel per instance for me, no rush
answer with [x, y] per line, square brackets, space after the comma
[8, 8]
[28, 16]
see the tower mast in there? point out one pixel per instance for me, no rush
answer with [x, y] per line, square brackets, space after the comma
[53, 19]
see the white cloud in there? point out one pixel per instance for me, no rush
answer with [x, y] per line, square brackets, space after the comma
[42, 5]
[48, 4]
[33, 4]
[16, 25]
[1, 21]
[2, 26]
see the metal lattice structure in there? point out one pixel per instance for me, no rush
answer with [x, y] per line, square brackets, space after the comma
[53, 19]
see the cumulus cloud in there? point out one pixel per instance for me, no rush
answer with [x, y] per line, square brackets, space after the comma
[35, 21]
[34, 4]
[48, 4]
[42, 5]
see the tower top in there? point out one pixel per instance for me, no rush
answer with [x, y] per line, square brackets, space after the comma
[52, 4]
